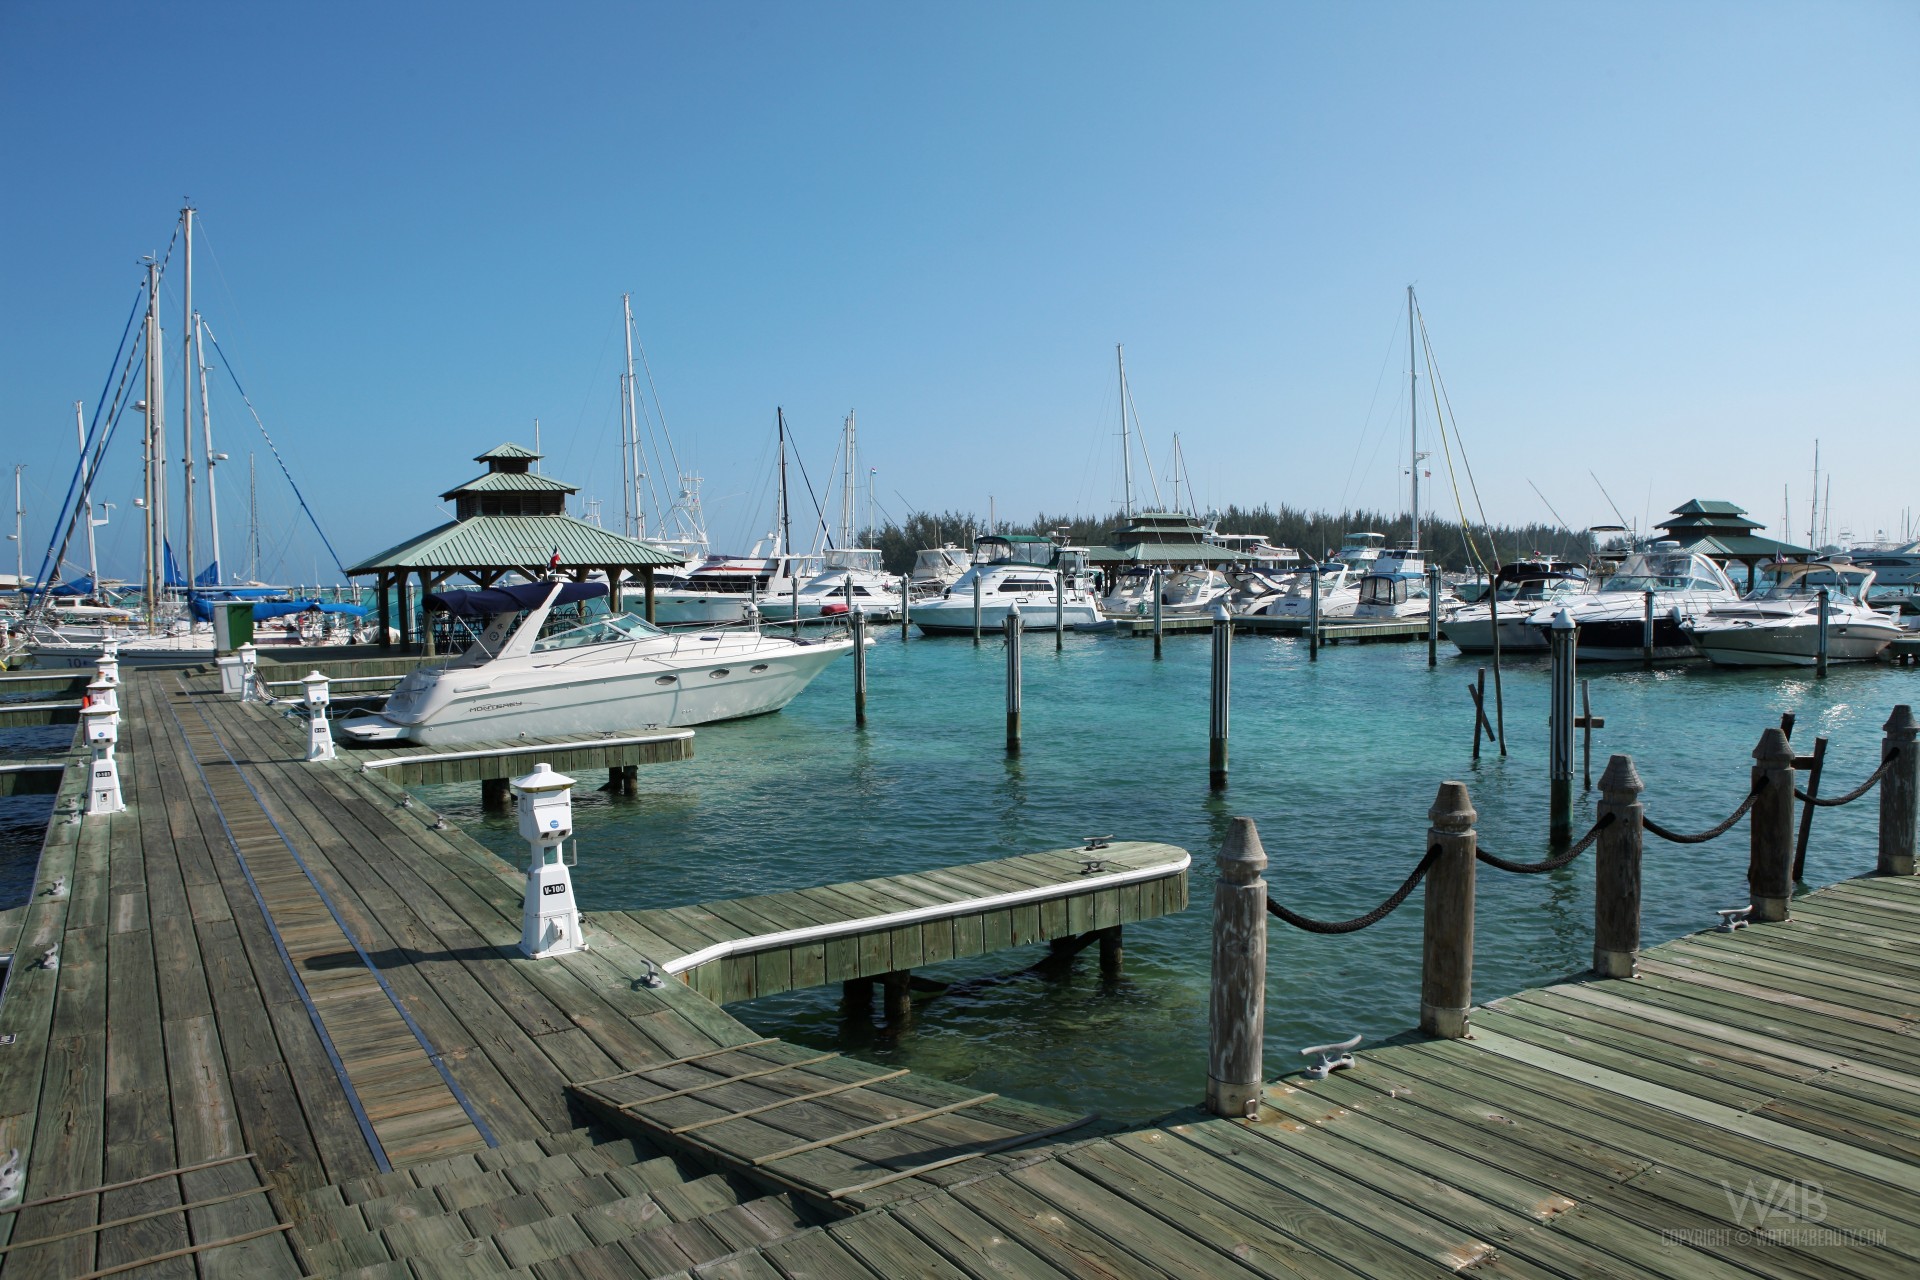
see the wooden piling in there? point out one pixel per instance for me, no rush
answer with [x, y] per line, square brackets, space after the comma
[1897, 792]
[1770, 828]
[1012, 629]
[1562, 637]
[1820, 651]
[1237, 1007]
[1446, 979]
[493, 794]
[1499, 725]
[1222, 691]
[859, 668]
[976, 609]
[1158, 629]
[1646, 630]
[1110, 954]
[1816, 765]
[1433, 615]
[906, 604]
[1478, 692]
[1313, 615]
[897, 997]
[1059, 610]
[856, 998]
[1616, 877]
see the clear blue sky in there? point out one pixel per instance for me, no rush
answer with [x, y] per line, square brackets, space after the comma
[1670, 243]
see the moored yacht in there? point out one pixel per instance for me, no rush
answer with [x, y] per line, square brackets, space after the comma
[1778, 625]
[850, 577]
[719, 590]
[1339, 593]
[1522, 587]
[1396, 586]
[614, 673]
[1662, 584]
[1049, 582]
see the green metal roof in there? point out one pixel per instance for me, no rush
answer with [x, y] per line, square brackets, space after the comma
[1708, 507]
[511, 482]
[1165, 553]
[1736, 546]
[517, 542]
[507, 451]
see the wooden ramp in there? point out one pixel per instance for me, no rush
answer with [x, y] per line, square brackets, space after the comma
[742, 948]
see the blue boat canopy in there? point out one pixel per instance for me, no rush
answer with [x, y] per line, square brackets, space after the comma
[525, 595]
[203, 608]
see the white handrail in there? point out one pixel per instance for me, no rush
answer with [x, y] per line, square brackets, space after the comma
[917, 915]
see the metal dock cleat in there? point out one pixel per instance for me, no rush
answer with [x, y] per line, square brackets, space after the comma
[1093, 866]
[50, 958]
[12, 1177]
[1734, 918]
[1332, 1057]
[652, 976]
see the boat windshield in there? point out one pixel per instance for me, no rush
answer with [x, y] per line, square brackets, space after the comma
[1674, 572]
[864, 559]
[621, 627]
[1015, 549]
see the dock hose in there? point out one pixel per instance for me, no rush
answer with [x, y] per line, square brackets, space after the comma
[1712, 832]
[1578, 847]
[1873, 780]
[1358, 923]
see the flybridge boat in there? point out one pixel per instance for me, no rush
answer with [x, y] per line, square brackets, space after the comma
[722, 588]
[1017, 569]
[1339, 593]
[614, 673]
[1522, 588]
[1395, 586]
[1676, 586]
[1779, 624]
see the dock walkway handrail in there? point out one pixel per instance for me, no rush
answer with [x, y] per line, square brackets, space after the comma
[919, 915]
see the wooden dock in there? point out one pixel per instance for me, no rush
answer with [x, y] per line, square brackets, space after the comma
[14, 715]
[21, 685]
[484, 761]
[268, 1021]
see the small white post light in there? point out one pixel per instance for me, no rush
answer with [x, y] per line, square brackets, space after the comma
[103, 775]
[549, 920]
[108, 668]
[319, 736]
[105, 693]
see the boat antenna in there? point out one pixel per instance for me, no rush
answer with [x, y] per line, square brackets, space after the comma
[1610, 502]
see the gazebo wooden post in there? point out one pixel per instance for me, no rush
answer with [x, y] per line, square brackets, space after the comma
[426, 623]
[646, 576]
[386, 613]
[614, 601]
[406, 612]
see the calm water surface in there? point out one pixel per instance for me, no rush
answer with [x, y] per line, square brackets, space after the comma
[1337, 761]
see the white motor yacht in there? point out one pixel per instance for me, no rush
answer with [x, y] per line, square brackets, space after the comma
[1017, 569]
[721, 588]
[1339, 593]
[850, 578]
[1778, 625]
[612, 674]
[1524, 586]
[1396, 587]
[937, 568]
[1682, 586]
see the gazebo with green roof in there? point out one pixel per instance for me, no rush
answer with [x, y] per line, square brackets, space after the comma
[1722, 531]
[508, 520]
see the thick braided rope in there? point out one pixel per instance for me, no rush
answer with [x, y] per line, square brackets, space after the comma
[1551, 864]
[1873, 780]
[1358, 923]
[1712, 832]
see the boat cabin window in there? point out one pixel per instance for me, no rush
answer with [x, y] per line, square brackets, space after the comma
[1384, 590]
[610, 630]
[1019, 586]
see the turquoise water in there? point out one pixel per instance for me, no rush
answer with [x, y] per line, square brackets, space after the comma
[1337, 761]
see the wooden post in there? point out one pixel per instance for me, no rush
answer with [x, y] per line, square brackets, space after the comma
[1770, 828]
[976, 607]
[1897, 792]
[1562, 636]
[646, 579]
[1498, 729]
[1815, 767]
[1646, 631]
[1586, 724]
[406, 610]
[1012, 629]
[426, 620]
[1820, 653]
[1313, 615]
[1158, 629]
[856, 998]
[1110, 954]
[616, 600]
[1616, 875]
[1059, 610]
[1446, 979]
[1433, 615]
[897, 997]
[1222, 691]
[1478, 692]
[859, 668]
[382, 583]
[906, 605]
[1237, 1008]
[793, 599]
[493, 794]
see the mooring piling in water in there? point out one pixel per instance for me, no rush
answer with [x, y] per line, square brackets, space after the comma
[1012, 629]
[976, 609]
[906, 605]
[1646, 629]
[1159, 628]
[1446, 971]
[1897, 792]
[859, 668]
[1313, 614]
[1820, 654]
[1237, 1006]
[1433, 615]
[1222, 689]
[1770, 828]
[1059, 610]
[1616, 872]
[1562, 637]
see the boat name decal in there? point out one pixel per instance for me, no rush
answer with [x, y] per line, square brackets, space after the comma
[493, 706]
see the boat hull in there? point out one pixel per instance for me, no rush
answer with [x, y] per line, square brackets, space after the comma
[948, 619]
[1475, 634]
[1791, 645]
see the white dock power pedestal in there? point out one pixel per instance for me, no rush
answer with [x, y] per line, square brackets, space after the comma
[549, 920]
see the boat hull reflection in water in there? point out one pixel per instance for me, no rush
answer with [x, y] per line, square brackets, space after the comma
[617, 673]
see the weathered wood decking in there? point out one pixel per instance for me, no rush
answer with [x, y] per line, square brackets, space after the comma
[259, 954]
[481, 761]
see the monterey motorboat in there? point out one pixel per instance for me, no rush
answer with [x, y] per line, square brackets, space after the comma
[1662, 584]
[1523, 587]
[1017, 569]
[611, 674]
[1778, 625]
[1339, 593]
[1183, 593]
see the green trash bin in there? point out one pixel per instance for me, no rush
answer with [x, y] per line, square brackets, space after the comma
[232, 625]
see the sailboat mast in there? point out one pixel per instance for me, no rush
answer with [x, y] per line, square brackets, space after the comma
[253, 522]
[86, 497]
[849, 487]
[206, 440]
[19, 531]
[1413, 422]
[630, 434]
[151, 572]
[786, 515]
[1126, 443]
[1813, 511]
[186, 387]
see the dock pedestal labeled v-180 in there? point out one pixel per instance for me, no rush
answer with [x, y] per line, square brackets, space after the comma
[549, 920]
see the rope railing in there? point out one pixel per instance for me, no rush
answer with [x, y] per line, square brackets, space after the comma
[1711, 833]
[1873, 780]
[1566, 859]
[1358, 923]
